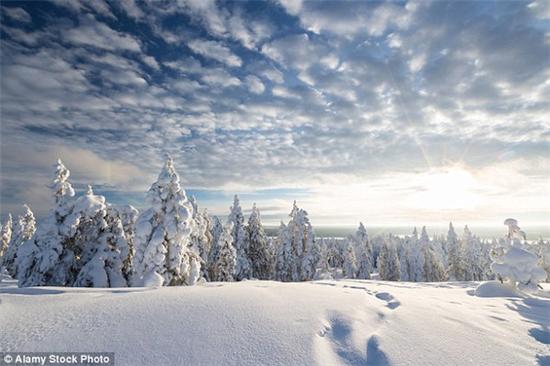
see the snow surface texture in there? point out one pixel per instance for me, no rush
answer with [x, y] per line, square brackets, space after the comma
[352, 322]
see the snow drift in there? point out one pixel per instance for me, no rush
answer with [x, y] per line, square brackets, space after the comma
[352, 322]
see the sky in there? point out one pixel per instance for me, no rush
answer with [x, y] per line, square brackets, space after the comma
[390, 113]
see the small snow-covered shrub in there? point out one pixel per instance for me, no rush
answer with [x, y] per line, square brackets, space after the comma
[514, 263]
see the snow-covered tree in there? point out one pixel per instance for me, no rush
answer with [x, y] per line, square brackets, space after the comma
[224, 265]
[258, 247]
[128, 216]
[286, 267]
[24, 229]
[349, 269]
[305, 252]
[6, 233]
[543, 251]
[47, 258]
[472, 253]
[201, 238]
[365, 265]
[457, 267]
[323, 268]
[100, 244]
[429, 263]
[240, 242]
[406, 260]
[162, 235]
[517, 265]
[388, 262]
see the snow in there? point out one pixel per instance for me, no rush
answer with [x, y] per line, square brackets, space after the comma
[497, 289]
[351, 322]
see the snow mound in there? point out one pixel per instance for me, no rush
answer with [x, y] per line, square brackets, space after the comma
[496, 289]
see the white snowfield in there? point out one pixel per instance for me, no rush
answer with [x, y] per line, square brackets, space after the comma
[347, 322]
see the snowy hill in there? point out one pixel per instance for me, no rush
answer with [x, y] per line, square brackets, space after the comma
[273, 323]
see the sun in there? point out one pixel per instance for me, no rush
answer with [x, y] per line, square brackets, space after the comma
[452, 188]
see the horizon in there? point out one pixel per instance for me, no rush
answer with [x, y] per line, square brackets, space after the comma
[390, 113]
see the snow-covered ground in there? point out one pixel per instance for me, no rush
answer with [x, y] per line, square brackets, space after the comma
[348, 322]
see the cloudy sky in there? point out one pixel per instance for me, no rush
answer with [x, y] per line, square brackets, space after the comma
[386, 112]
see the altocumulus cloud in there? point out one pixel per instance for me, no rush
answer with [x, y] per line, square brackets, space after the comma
[301, 97]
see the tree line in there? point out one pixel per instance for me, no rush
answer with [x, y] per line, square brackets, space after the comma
[84, 241]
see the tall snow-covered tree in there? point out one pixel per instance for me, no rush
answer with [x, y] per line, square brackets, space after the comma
[473, 256]
[388, 262]
[365, 265]
[305, 251]
[163, 253]
[428, 262]
[240, 242]
[457, 267]
[225, 262]
[24, 229]
[47, 258]
[128, 215]
[100, 246]
[201, 238]
[6, 233]
[216, 230]
[286, 267]
[349, 269]
[258, 247]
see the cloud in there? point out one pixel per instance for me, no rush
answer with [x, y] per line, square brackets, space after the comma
[345, 107]
[215, 50]
[99, 35]
[255, 84]
[17, 14]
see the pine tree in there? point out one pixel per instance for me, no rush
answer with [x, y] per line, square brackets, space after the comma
[200, 238]
[224, 264]
[286, 269]
[349, 269]
[243, 269]
[303, 248]
[432, 269]
[6, 233]
[388, 262]
[457, 266]
[258, 247]
[127, 215]
[216, 230]
[365, 265]
[46, 259]
[23, 230]
[162, 235]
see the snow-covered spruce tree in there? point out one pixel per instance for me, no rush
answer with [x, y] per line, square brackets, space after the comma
[240, 242]
[431, 265]
[365, 265]
[517, 265]
[323, 268]
[406, 260]
[200, 238]
[349, 269]
[258, 248]
[128, 215]
[304, 250]
[224, 265]
[388, 262]
[24, 229]
[543, 251]
[163, 255]
[457, 267]
[216, 229]
[286, 267]
[100, 243]
[46, 259]
[473, 256]
[5, 233]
